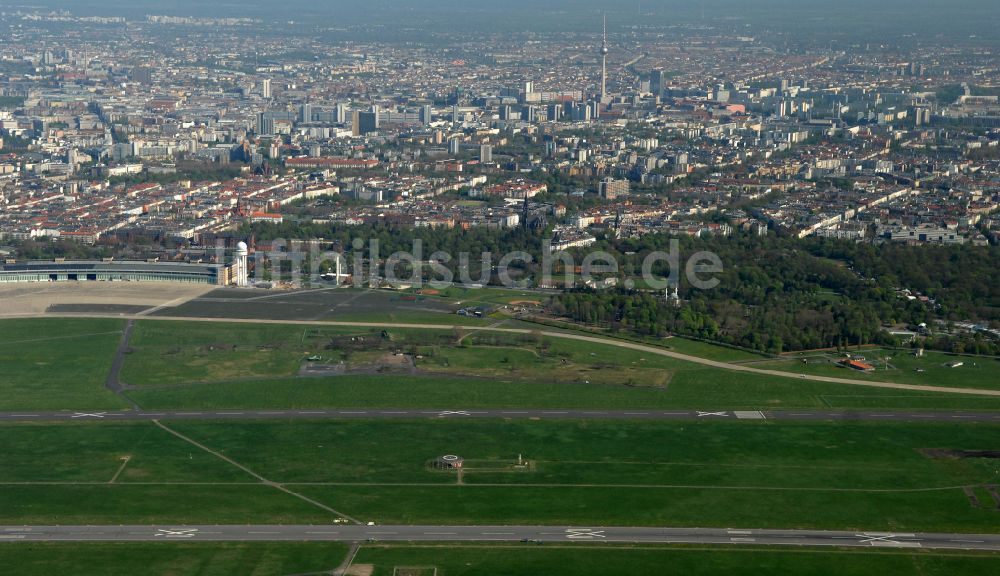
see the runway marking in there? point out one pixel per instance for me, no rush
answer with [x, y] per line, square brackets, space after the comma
[749, 415]
[584, 533]
[723, 414]
[742, 539]
[454, 413]
[177, 532]
[885, 539]
[89, 415]
[744, 532]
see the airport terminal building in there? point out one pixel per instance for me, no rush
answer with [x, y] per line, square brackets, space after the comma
[113, 271]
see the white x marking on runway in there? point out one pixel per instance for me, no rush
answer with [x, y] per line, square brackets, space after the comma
[454, 413]
[177, 532]
[90, 414]
[868, 538]
[584, 533]
[700, 413]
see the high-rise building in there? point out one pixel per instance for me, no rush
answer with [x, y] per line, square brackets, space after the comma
[454, 146]
[265, 124]
[365, 122]
[656, 81]
[305, 113]
[426, 114]
[485, 153]
[142, 74]
[610, 188]
[340, 113]
[265, 87]
[555, 112]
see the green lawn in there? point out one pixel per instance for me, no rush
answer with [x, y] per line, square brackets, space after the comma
[165, 352]
[710, 351]
[864, 476]
[171, 559]
[903, 366]
[697, 388]
[555, 560]
[57, 363]
[491, 296]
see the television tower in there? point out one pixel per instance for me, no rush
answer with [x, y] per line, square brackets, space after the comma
[604, 60]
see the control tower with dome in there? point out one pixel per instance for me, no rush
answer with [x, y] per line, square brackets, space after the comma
[240, 274]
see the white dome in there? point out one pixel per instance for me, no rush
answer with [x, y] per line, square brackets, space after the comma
[241, 247]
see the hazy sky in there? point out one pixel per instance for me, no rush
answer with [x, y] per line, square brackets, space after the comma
[920, 16]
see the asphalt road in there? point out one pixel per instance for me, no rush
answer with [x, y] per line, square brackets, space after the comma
[388, 413]
[540, 534]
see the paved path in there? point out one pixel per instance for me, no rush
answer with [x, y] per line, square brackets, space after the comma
[527, 414]
[113, 381]
[355, 533]
[565, 335]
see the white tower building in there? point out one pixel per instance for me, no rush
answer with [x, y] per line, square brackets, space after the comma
[240, 270]
[604, 61]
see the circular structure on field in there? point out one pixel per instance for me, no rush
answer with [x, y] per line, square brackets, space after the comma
[449, 461]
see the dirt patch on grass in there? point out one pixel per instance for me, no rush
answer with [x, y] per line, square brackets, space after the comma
[360, 570]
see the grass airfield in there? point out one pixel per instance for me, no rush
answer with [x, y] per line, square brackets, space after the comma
[836, 475]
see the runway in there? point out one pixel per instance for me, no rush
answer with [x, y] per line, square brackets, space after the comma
[527, 414]
[531, 534]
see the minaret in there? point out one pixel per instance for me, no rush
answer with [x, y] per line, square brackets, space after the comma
[604, 60]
